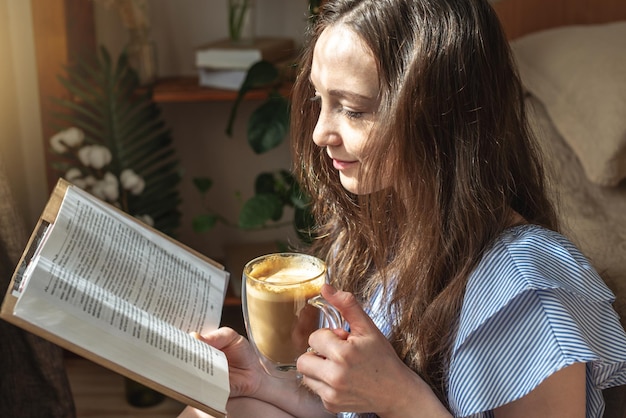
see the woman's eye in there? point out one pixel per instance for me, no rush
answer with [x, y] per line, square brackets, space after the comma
[352, 115]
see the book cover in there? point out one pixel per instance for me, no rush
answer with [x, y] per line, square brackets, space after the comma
[226, 55]
[100, 283]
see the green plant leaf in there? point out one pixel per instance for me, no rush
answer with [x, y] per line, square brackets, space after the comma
[260, 209]
[204, 222]
[259, 74]
[278, 183]
[268, 124]
[264, 183]
[202, 184]
[286, 186]
[303, 223]
[299, 199]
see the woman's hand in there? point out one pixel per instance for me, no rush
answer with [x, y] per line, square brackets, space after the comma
[245, 371]
[360, 371]
[251, 388]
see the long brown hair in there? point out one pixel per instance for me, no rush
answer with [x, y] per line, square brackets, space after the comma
[451, 137]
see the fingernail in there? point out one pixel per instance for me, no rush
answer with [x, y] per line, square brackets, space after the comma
[330, 289]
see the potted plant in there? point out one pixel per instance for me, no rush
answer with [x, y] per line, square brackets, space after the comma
[266, 130]
[113, 142]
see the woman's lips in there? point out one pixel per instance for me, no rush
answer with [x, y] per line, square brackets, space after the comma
[342, 165]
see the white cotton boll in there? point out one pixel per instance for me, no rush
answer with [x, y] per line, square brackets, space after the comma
[90, 180]
[80, 183]
[110, 178]
[96, 156]
[147, 219]
[107, 188]
[73, 174]
[127, 177]
[100, 157]
[74, 136]
[132, 182]
[70, 137]
[112, 191]
[56, 141]
[98, 190]
[83, 155]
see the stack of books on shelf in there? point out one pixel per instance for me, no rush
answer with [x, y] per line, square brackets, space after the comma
[224, 64]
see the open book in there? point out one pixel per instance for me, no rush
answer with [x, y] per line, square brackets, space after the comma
[100, 283]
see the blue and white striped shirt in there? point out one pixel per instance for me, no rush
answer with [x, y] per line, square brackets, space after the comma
[533, 306]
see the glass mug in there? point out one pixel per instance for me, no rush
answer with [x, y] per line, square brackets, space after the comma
[282, 306]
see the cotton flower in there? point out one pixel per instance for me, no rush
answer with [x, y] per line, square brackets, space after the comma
[70, 137]
[107, 188]
[75, 176]
[90, 180]
[147, 219]
[132, 182]
[96, 156]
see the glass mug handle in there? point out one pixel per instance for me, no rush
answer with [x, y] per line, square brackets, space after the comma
[334, 318]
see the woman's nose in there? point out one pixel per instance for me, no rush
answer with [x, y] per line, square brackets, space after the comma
[325, 133]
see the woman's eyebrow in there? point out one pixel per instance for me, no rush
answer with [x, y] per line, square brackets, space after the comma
[350, 95]
[346, 93]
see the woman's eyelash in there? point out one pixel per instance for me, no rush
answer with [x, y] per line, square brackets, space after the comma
[349, 113]
[352, 115]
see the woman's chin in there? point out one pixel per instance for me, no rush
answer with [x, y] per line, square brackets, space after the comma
[352, 185]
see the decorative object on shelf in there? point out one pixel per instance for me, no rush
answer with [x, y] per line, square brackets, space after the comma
[224, 55]
[241, 21]
[141, 49]
[114, 143]
[222, 64]
[142, 55]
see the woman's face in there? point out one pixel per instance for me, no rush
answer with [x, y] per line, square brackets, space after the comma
[345, 79]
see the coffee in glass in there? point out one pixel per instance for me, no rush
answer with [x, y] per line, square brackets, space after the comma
[280, 299]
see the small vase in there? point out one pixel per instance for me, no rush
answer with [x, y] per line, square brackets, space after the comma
[241, 21]
[142, 55]
[141, 396]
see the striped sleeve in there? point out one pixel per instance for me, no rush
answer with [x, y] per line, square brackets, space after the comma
[533, 306]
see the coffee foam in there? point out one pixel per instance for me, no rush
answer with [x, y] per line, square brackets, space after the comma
[280, 277]
[284, 285]
[270, 292]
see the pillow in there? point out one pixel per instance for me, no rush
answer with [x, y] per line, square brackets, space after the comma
[579, 74]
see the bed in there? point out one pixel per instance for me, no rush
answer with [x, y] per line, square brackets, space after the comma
[571, 56]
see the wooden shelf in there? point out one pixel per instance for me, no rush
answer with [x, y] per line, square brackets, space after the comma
[232, 300]
[186, 89]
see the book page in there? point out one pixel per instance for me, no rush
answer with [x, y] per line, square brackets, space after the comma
[128, 295]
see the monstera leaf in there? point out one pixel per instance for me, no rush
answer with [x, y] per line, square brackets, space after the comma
[108, 105]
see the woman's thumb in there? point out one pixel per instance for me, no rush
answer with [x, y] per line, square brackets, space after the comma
[348, 307]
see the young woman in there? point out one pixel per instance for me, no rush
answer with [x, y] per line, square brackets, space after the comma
[409, 132]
